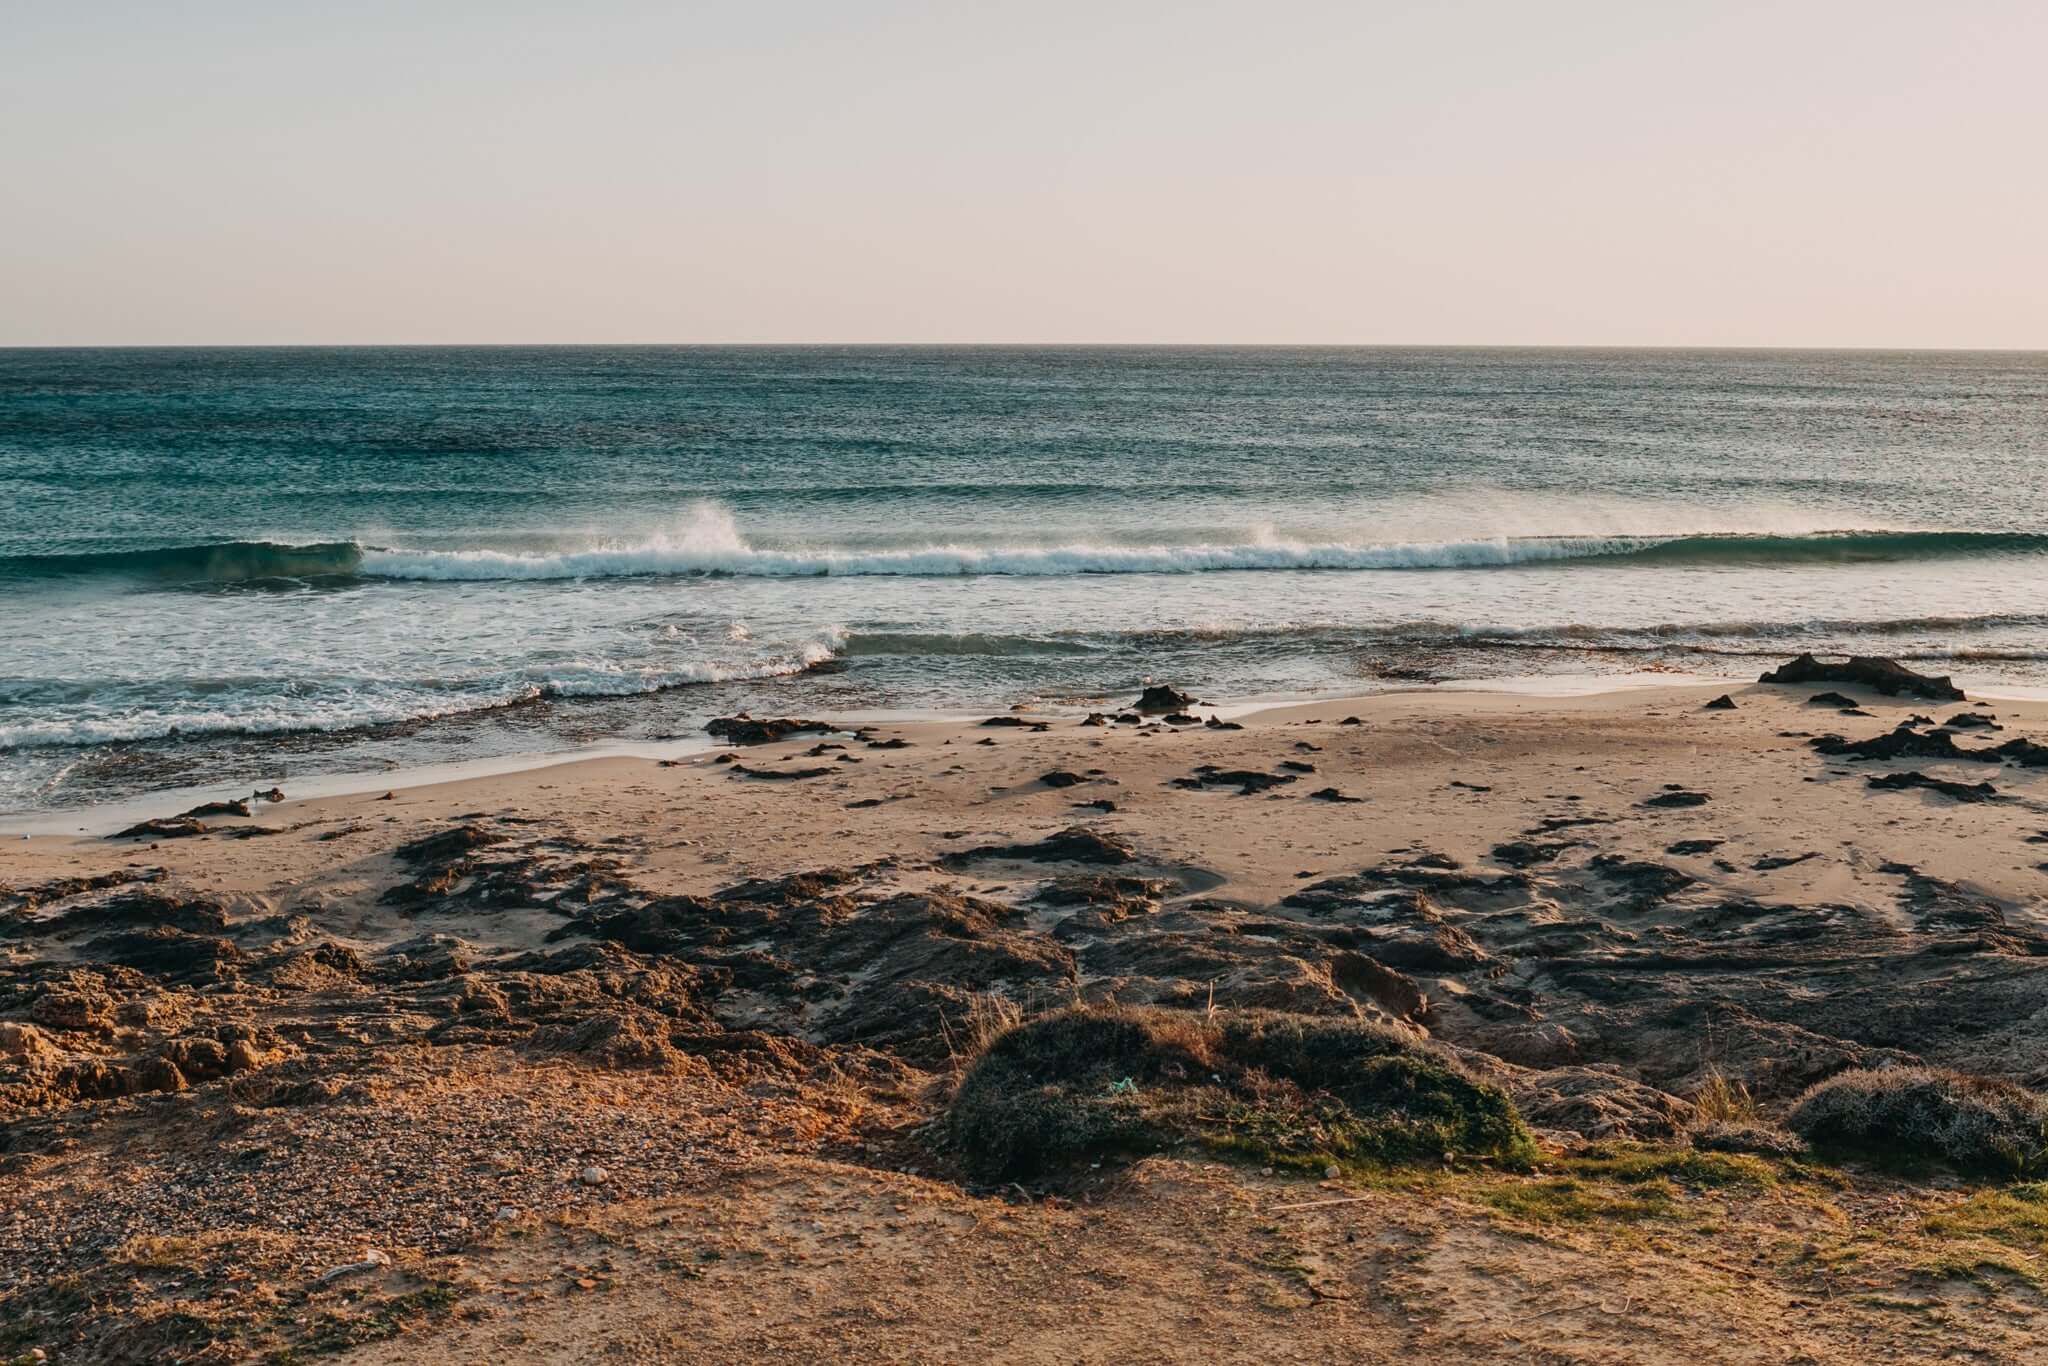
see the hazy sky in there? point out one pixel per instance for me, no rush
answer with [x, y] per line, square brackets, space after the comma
[1865, 173]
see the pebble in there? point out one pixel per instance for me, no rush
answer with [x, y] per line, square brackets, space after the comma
[593, 1176]
[370, 1261]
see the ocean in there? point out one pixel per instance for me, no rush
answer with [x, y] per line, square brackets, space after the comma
[230, 565]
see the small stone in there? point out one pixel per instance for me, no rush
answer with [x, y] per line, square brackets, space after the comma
[506, 1214]
[369, 1261]
[1330, 1172]
[594, 1176]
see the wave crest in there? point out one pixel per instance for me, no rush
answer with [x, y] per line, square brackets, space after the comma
[712, 546]
[733, 557]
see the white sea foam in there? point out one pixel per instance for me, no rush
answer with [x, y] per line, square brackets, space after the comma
[711, 544]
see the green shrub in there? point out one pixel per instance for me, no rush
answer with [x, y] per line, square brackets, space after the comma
[1927, 1114]
[1285, 1090]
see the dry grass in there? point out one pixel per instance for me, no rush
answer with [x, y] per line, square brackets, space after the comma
[1721, 1100]
[1925, 1114]
[988, 1016]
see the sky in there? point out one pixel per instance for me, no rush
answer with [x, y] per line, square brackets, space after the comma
[1579, 172]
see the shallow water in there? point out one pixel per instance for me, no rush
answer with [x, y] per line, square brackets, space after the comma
[412, 555]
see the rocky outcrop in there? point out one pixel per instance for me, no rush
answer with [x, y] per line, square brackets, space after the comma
[1160, 699]
[1886, 676]
[747, 730]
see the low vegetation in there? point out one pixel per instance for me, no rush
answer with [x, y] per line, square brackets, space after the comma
[2016, 1216]
[1922, 1114]
[1078, 1084]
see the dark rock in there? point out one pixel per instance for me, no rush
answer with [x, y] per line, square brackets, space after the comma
[1722, 703]
[1297, 766]
[60, 889]
[162, 951]
[1884, 675]
[1181, 718]
[1830, 699]
[1902, 743]
[1159, 698]
[1770, 863]
[1246, 781]
[1676, 799]
[1351, 721]
[143, 910]
[1331, 794]
[1214, 723]
[1095, 718]
[1103, 890]
[781, 774]
[795, 888]
[893, 742]
[1059, 777]
[237, 807]
[1525, 853]
[1104, 804]
[1076, 844]
[2025, 753]
[1969, 720]
[1647, 883]
[747, 730]
[1684, 847]
[445, 846]
[163, 828]
[275, 794]
[1960, 792]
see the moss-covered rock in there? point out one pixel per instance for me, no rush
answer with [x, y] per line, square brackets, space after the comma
[1284, 1090]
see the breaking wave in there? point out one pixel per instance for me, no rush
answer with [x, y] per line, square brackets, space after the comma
[714, 549]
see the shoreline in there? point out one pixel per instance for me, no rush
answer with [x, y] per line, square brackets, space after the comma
[103, 817]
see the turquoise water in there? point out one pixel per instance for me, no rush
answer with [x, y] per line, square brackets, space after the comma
[228, 563]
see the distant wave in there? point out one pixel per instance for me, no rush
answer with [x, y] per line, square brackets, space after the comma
[724, 554]
[222, 562]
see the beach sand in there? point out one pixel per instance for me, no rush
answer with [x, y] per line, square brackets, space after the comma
[592, 1077]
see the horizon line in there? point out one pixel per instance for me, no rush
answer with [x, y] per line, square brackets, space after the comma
[1019, 345]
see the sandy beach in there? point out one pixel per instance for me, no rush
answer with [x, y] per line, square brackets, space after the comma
[652, 1060]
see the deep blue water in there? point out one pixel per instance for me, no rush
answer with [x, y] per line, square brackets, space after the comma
[374, 551]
